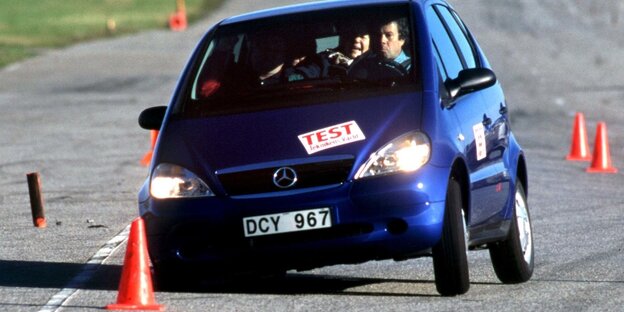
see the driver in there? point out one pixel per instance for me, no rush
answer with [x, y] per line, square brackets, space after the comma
[387, 60]
[392, 37]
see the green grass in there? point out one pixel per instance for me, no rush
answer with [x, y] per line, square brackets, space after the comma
[29, 26]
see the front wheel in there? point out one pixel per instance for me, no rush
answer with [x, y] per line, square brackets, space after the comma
[513, 258]
[450, 261]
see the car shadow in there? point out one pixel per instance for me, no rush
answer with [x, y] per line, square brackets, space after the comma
[310, 283]
[39, 274]
[319, 284]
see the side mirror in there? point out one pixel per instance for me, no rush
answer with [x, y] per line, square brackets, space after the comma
[470, 80]
[152, 118]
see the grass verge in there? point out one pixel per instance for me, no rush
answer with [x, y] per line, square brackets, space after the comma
[29, 26]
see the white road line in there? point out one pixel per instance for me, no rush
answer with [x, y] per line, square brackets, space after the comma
[59, 299]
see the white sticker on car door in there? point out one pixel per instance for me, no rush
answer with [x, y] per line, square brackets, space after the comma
[479, 135]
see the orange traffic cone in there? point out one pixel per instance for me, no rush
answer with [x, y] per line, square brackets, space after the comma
[579, 150]
[135, 287]
[147, 158]
[601, 162]
[177, 20]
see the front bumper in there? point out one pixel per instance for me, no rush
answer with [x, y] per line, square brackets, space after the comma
[398, 216]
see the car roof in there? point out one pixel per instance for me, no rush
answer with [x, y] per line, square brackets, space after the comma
[305, 7]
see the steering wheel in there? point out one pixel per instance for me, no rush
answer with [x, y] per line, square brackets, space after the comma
[371, 67]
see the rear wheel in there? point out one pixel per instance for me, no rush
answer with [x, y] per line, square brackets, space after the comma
[513, 258]
[450, 261]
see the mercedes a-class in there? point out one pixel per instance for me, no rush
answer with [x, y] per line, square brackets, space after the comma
[336, 132]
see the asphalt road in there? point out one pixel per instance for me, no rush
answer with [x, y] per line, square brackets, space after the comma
[71, 115]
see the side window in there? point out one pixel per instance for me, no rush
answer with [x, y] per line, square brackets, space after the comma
[459, 33]
[444, 44]
[441, 68]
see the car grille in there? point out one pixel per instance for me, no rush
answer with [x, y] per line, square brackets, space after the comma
[308, 175]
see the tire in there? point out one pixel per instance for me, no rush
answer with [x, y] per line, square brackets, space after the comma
[450, 261]
[513, 258]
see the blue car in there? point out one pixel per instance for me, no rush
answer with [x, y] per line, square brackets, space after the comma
[336, 132]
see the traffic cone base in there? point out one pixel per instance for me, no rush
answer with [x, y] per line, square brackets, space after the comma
[135, 287]
[601, 162]
[153, 307]
[601, 170]
[579, 150]
[578, 158]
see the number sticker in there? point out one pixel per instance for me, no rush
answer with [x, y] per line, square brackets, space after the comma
[479, 135]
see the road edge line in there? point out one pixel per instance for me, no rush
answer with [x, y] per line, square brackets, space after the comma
[58, 300]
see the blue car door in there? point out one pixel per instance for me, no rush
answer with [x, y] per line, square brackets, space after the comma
[491, 189]
[482, 130]
[496, 128]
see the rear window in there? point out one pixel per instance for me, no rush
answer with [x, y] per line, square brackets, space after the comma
[302, 59]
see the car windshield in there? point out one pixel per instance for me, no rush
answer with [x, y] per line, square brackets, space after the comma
[302, 59]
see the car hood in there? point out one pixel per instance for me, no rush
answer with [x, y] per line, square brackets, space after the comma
[347, 129]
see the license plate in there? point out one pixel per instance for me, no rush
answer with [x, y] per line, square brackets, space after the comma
[293, 221]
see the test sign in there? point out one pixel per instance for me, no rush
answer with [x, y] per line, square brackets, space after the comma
[332, 136]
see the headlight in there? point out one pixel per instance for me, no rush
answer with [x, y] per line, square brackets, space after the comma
[173, 181]
[406, 153]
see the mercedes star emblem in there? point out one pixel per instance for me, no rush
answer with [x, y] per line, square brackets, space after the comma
[284, 177]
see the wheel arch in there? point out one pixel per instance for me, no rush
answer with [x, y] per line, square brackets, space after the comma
[459, 172]
[522, 175]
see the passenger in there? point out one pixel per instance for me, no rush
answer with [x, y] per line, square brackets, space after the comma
[392, 37]
[268, 56]
[354, 41]
[280, 58]
[303, 63]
